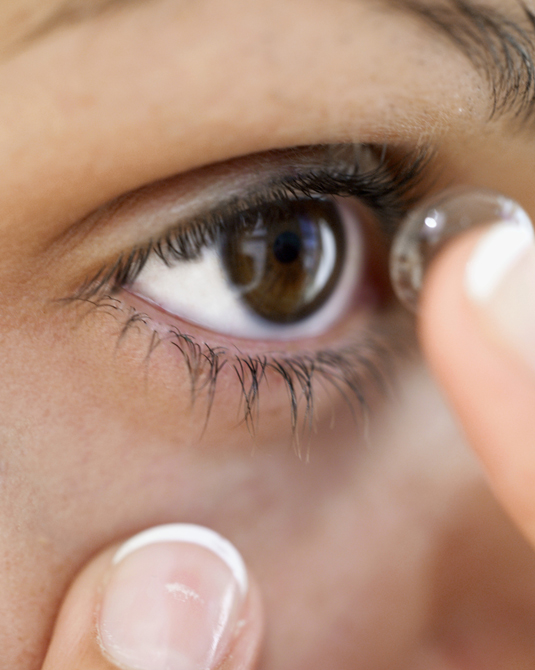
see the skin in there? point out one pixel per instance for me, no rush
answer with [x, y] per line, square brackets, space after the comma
[384, 548]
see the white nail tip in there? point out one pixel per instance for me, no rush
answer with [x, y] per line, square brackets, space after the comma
[495, 254]
[191, 534]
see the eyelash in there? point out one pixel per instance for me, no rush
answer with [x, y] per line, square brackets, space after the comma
[389, 190]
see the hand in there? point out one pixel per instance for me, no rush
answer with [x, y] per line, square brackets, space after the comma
[477, 329]
[175, 597]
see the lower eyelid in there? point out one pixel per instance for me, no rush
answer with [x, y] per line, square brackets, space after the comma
[353, 366]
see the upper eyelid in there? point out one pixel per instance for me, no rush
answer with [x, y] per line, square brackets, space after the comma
[386, 189]
[133, 219]
[147, 213]
[183, 197]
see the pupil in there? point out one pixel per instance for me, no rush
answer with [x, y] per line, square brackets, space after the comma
[287, 265]
[287, 247]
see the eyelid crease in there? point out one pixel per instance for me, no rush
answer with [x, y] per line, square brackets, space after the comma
[187, 196]
[387, 186]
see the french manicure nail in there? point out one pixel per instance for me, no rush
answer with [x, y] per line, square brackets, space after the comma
[173, 599]
[500, 280]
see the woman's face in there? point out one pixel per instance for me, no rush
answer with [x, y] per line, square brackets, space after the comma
[135, 396]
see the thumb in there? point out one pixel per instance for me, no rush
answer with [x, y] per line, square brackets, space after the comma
[477, 329]
[174, 597]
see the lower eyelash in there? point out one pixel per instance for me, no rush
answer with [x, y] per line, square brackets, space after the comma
[355, 371]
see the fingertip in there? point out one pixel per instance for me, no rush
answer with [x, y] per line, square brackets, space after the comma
[444, 315]
[488, 385]
[449, 337]
[175, 597]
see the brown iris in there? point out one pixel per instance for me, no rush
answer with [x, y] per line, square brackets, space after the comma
[288, 264]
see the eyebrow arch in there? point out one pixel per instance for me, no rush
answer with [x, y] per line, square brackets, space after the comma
[500, 46]
[65, 12]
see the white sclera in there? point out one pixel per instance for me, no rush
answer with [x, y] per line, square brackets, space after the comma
[431, 225]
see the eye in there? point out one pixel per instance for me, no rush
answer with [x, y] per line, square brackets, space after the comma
[288, 245]
[273, 246]
[288, 270]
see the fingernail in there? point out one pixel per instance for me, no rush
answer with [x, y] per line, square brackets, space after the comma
[173, 600]
[500, 280]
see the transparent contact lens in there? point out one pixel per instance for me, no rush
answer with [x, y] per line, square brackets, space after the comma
[431, 225]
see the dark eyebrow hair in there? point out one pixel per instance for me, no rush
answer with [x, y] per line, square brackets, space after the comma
[75, 10]
[500, 46]
[65, 12]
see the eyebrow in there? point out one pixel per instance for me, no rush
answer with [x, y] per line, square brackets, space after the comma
[65, 12]
[500, 46]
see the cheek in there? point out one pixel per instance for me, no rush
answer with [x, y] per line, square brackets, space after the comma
[372, 520]
[407, 561]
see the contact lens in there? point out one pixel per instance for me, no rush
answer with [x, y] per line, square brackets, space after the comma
[433, 223]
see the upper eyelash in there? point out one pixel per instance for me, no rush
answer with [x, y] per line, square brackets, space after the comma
[388, 189]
